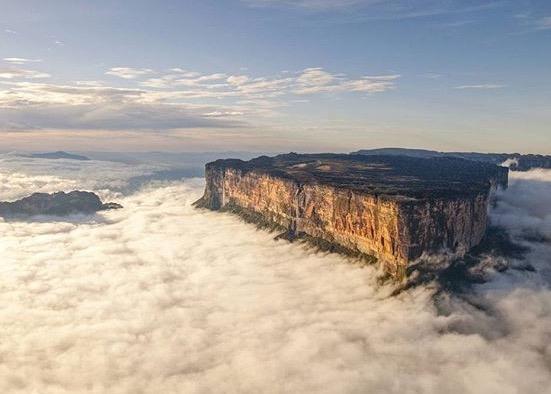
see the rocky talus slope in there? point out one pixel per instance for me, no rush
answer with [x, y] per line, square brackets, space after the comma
[391, 207]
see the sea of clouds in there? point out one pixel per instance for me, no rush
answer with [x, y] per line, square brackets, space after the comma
[160, 297]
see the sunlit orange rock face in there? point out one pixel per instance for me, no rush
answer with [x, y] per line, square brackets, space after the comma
[395, 209]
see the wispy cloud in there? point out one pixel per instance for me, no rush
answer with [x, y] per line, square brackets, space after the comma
[90, 83]
[432, 75]
[383, 9]
[312, 4]
[481, 86]
[543, 23]
[175, 99]
[29, 105]
[532, 23]
[20, 60]
[13, 73]
[128, 72]
[308, 81]
[316, 80]
[457, 23]
[10, 31]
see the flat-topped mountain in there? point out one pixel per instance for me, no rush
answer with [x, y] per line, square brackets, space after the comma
[58, 155]
[56, 204]
[516, 161]
[395, 208]
[390, 176]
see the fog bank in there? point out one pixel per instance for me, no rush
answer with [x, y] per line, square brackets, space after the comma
[162, 298]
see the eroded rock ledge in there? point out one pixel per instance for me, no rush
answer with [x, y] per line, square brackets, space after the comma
[391, 207]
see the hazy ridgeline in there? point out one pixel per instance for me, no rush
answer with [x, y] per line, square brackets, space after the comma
[161, 297]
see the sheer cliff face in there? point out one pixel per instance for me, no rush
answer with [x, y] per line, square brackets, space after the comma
[396, 229]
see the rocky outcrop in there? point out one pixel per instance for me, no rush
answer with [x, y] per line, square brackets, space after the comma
[393, 208]
[56, 204]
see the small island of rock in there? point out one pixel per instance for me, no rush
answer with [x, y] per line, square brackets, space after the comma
[56, 204]
[395, 208]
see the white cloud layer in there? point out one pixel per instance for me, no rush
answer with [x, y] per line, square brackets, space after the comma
[21, 175]
[308, 81]
[15, 73]
[30, 105]
[160, 297]
[128, 72]
[20, 60]
[177, 99]
[316, 80]
[522, 208]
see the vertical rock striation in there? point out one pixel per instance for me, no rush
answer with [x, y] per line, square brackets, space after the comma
[393, 208]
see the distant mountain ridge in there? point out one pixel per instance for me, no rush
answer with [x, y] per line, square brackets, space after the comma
[515, 161]
[58, 155]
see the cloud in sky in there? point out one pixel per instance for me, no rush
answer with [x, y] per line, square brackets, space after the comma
[238, 80]
[98, 99]
[28, 106]
[481, 86]
[533, 22]
[315, 80]
[177, 99]
[543, 23]
[117, 116]
[20, 60]
[315, 77]
[128, 72]
[384, 9]
[314, 4]
[310, 80]
[14, 73]
[160, 297]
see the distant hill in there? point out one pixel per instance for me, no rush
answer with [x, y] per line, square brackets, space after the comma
[515, 161]
[56, 204]
[58, 155]
[400, 152]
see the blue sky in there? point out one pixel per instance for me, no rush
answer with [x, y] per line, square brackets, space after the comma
[275, 75]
